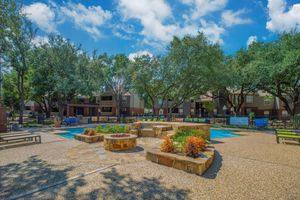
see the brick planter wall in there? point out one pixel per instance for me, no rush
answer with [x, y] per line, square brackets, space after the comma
[188, 164]
[119, 143]
[89, 139]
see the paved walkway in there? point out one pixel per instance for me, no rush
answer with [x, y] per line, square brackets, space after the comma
[245, 167]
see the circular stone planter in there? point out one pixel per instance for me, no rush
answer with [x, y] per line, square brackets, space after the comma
[116, 142]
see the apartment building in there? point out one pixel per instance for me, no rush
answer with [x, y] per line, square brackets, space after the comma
[105, 105]
[131, 105]
[261, 103]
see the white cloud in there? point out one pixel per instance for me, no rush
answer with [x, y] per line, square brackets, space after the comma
[151, 14]
[231, 18]
[40, 40]
[42, 15]
[201, 8]
[135, 55]
[282, 18]
[212, 31]
[89, 18]
[251, 40]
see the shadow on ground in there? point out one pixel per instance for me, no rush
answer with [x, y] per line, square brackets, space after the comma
[124, 186]
[213, 170]
[17, 178]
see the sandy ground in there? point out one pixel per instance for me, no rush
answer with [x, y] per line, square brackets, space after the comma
[252, 166]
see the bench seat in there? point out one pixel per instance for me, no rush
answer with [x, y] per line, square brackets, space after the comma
[287, 134]
[14, 135]
[37, 138]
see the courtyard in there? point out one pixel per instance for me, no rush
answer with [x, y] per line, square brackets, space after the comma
[251, 166]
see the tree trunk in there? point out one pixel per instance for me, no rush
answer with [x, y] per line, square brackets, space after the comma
[153, 106]
[61, 109]
[21, 96]
[117, 106]
[47, 105]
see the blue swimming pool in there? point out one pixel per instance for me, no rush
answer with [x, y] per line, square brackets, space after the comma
[214, 133]
[70, 132]
[217, 133]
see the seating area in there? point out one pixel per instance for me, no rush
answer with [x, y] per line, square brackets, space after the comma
[287, 135]
[18, 138]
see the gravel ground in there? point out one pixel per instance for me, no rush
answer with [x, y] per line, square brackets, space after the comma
[252, 166]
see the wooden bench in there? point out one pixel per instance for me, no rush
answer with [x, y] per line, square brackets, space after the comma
[287, 134]
[30, 137]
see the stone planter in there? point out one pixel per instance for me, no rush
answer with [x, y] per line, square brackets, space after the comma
[112, 143]
[89, 139]
[192, 165]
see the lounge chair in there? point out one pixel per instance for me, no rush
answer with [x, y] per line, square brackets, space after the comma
[287, 135]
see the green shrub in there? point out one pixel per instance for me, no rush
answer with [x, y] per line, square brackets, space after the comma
[48, 122]
[32, 125]
[127, 129]
[110, 129]
[181, 136]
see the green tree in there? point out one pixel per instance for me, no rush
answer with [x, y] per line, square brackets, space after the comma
[149, 79]
[9, 13]
[236, 80]
[10, 92]
[19, 38]
[42, 81]
[59, 73]
[192, 61]
[116, 77]
[277, 69]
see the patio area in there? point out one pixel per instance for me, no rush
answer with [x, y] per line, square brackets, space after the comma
[251, 166]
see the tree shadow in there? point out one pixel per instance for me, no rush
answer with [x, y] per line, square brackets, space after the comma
[124, 186]
[213, 170]
[33, 173]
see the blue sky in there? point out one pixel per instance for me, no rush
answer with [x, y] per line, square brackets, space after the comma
[137, 27]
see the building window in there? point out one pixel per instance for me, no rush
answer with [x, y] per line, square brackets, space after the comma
[124, 98]
[106, 109]
[92, 111]
[266, 113]
[106, 98]
[248, 110]
[249, 99]
[267, 101]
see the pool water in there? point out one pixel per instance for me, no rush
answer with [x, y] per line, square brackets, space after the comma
[217, 133]
[214, 133]
[71, 132]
